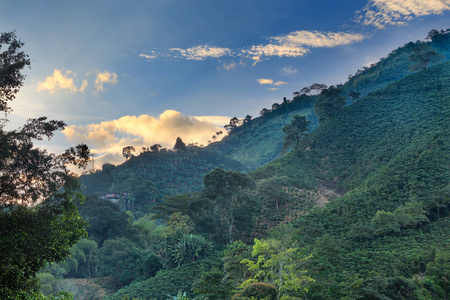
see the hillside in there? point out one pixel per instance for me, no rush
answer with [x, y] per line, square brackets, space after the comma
[389, 155]
[368, 201]
[145, 179]
[361, 212]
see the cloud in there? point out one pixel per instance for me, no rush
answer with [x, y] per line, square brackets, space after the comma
[271, 82]
[294, 44]
[202, 52]
[288, 70]
[59, 81]
[148, 56]
[264, 81]
[380, 13]
[103, 78]
[106, 139]
[229, 66]
[298, 43]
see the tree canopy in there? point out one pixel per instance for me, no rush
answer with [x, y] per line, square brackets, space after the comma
[39, 221]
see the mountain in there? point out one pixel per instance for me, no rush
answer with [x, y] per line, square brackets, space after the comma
[367, 203]
[145, 179]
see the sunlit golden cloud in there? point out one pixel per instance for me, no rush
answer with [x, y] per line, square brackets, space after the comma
[267, 81]
[107, 139]
[264, 81]
[59, 81]
[103, 78]
[380, 13]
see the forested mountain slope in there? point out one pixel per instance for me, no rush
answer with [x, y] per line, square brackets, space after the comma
[144, 180]
[260, 140]
[386, 237]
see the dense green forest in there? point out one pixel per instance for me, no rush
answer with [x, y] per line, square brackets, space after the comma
[339, 194]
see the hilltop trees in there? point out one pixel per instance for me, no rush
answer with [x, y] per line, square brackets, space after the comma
[179, 145]
[329, 103]
[39, 221]
[423, 55]
[126, 152]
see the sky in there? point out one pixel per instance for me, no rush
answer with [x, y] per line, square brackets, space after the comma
[138, 73]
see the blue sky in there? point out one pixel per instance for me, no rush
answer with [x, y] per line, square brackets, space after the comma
[143, 72]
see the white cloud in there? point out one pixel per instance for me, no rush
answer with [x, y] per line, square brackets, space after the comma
[59, 81]
[106, 139]
[298, 43]
[288, 70]
[273, 89]
[278, 83]
[229, 66]
[294, 44]
[103, 78]
[202, 52]
[264, 81]
[148, 56]
[381, 13]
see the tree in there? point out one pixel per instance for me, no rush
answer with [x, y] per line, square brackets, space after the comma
[39, 221]
[126, 151]
[155, 147]
[318, 87]
[234, 123]
[354, 95]
[294, 133]
[225, 191]
[179, 145]
[278, 263]
[422, 56]
[271, 190]
[329, 103]
[247, 119]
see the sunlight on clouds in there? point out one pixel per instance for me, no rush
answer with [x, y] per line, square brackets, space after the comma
[264, 81]
[202, 52]
[103, 78]
[298, 43]
[271, 82]
[59, 81]
[381, 13]
[106, 139]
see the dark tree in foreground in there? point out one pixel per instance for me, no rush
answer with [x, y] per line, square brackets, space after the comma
[295, 133]
[39, 222]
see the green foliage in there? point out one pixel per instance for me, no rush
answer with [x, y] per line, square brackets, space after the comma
[214, 285]
[329, 103]
[278, 263]
[295, 133]
[423, 55]
[168, 282]
[229, 201]
[144, 180]
[190, 248]
[104, 217]
[258, 290]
